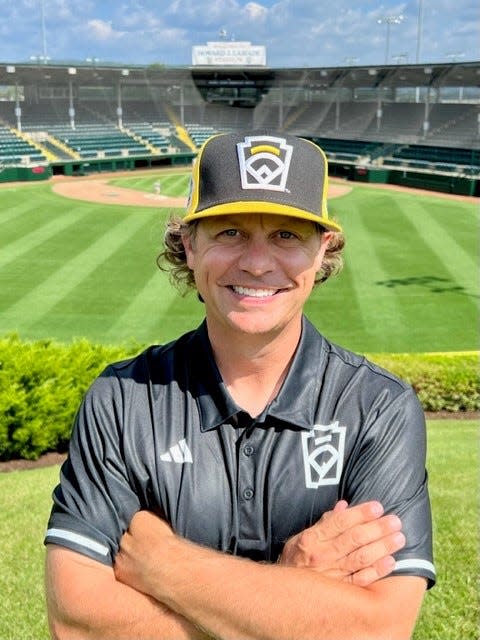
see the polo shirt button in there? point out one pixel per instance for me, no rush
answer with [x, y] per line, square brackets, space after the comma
[248, 450]
[248, 494]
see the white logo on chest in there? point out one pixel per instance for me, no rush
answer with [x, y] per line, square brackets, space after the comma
[179, 453]
[323, 451]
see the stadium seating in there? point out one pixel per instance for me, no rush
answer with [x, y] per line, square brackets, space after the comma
[349, 150]
[150, 111]
[157, 139]
[441, 159]
[453, 125]
[98, 140]
[200, 133]
[14, 149]
[359, 118]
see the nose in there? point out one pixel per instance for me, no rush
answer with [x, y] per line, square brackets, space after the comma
[257, 257]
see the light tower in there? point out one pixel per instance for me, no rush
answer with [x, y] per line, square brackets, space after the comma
[389, 20]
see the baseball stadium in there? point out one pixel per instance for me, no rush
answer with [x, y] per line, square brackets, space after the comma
[94, 158]
[414, 126]
[116, 135]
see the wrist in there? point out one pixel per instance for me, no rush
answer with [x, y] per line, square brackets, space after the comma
[171, 567]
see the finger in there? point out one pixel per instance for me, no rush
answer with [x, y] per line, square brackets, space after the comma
[363, 534]
[359, 538]
[372, 554]
[338, 521]
[340, 506]
[369, 575]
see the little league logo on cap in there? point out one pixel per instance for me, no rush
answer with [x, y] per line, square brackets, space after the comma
[260, 172]
[264, 162]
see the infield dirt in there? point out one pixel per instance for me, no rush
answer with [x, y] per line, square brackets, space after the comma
[99, 190]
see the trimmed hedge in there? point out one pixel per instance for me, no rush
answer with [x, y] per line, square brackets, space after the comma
[42, 383]
[41, 386]
[442, 381]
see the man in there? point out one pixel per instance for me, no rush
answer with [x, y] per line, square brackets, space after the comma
[250, 479]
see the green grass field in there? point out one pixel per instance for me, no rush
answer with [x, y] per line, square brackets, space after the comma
[450, 610]
[70, 268]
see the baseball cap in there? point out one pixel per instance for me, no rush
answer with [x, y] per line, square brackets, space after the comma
[260, 172]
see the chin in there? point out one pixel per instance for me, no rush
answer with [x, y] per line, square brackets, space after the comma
[255, 325]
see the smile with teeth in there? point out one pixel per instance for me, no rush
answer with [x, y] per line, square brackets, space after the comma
[254, 293]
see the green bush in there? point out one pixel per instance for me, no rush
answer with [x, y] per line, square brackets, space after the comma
[443, 381]
[42, 383]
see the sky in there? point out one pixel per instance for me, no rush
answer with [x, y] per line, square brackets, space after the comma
[296, 33]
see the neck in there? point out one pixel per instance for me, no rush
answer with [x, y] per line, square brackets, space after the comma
[253, 368]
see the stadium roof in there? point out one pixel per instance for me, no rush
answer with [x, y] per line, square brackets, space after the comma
[462, 74]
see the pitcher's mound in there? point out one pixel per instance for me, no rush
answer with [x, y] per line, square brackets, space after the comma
[98, 190]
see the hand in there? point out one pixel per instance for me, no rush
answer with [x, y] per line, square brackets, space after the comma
[353, 544]
[148, 546]
[148, 537]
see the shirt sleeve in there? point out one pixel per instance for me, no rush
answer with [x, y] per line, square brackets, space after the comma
[389, 466]
[94, 501]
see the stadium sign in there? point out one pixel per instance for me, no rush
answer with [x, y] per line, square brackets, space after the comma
[221, 54]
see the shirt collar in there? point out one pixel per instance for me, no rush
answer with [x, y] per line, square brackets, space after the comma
[296, 403]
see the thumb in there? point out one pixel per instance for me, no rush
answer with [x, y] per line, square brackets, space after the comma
[340, 506]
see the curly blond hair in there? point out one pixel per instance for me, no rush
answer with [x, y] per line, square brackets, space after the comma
[172, 259]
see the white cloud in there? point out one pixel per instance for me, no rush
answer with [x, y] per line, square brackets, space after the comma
[255, 11]
[295, 32]
[101, 30]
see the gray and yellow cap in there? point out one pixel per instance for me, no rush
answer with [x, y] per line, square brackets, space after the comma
[260, 172]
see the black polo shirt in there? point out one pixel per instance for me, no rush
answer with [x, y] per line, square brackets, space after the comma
[161, 432]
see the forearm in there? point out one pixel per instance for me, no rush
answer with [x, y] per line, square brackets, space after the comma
[121, 614]
[236, 598]
[85, 601]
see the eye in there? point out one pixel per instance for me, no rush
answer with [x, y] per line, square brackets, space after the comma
[229, 233]
[287, 235]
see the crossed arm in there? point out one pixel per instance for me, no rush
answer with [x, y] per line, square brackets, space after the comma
[325, 585]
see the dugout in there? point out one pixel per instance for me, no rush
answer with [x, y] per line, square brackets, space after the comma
[432, 181]
[428, 180]
[87, 167]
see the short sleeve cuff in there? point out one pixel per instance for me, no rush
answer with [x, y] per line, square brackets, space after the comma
[65, 532]
[416, 567]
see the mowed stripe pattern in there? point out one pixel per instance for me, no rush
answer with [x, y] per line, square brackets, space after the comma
[71, 269]
[410, 280]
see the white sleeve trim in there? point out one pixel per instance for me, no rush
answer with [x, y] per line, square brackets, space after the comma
[415, 563]
[83, 541]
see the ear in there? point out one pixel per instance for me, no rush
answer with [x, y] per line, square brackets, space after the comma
[189, 251]
[325, 239]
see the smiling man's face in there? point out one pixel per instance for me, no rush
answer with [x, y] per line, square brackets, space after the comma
[255, 271]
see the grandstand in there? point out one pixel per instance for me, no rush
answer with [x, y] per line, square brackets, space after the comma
[413, 124]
